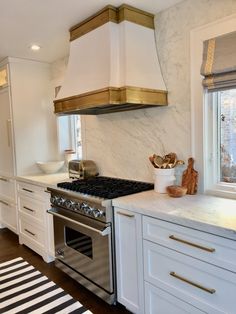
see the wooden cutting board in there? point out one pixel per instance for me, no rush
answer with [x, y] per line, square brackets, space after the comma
[190, 178]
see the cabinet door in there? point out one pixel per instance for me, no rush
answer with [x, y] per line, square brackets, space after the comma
[128, 239]
[8, 216]
[157, 301]
[6, 147]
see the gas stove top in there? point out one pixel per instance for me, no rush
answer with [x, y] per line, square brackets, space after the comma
[106, 187]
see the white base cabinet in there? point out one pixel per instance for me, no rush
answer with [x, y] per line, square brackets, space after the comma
[8, 207]
[35, 224]
[165, 268]
[128, 230]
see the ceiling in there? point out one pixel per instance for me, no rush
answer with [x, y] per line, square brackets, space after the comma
[46, 23]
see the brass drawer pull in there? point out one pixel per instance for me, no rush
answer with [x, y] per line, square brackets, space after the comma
[31, 233]
[29, 209]
[125, 214]
[4, 203]
[27, 190]
[3, 179]
[208, 249]
[47, 192]
[209, 290]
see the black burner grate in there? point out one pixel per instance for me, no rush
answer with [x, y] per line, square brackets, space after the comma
[106, 187]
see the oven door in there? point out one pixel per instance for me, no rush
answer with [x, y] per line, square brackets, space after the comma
[84, 244]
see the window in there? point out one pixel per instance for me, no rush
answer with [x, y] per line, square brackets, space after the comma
[69, 134]
[220, 144]
[213, 113]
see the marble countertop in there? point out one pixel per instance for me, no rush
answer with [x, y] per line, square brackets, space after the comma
[202, 212]
[44, 180]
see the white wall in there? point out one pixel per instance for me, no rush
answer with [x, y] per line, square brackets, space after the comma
[120, 143]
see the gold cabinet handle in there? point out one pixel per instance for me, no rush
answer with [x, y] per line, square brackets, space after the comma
[4, 179]
[27, 190]
[29, 209]
[4, 203]
[125, 214]
[209, 290]
[31, 233]
[208, 249]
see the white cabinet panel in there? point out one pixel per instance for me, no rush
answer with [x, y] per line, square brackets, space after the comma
[6, 142]
[8, 215]
[33, 208]
[157, 301]
[203, 285]
[128, 239]
[7, 188]
[207, 247]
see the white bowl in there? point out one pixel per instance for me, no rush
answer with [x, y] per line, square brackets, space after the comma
[50, 166]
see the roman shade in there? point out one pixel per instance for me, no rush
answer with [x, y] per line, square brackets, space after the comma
[219, 62]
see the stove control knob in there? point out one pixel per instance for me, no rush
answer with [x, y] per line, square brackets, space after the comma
[61, 201]
[54, 199]
[76, 206]
[85, 208]
[69, 204]
[97, 213]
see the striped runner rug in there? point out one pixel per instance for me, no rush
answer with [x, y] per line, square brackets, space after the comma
[24, 290]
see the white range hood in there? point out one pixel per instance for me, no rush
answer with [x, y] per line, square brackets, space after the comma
[112, 66]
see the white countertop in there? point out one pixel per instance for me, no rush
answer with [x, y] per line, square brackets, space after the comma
[207, 213]
[44, 180]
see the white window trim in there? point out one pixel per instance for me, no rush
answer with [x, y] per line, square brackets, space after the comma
[198, 112]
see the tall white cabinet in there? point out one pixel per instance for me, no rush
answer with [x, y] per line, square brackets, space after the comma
[27, 127]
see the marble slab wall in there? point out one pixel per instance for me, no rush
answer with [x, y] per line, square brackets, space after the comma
[120, 143]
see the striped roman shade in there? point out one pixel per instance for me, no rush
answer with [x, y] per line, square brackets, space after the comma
[219, 62]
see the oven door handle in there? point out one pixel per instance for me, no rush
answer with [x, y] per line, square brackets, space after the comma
[103, 232]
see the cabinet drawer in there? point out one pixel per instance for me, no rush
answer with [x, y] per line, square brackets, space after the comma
[34, 208]
[7, 188]
[31, 190]
[31, 231]
[157, 301]
[207, 247]
[205, 286]
[9, 215]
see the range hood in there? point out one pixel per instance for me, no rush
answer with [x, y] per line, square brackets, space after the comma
[113, 64]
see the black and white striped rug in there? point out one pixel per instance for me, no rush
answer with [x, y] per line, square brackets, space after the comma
[23, 289]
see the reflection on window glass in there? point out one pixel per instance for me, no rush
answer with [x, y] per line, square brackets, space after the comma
[227, 130]
[79, 242]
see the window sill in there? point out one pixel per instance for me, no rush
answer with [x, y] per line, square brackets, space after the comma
[222, 193]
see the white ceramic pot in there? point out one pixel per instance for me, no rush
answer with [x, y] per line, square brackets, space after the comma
[163, 178]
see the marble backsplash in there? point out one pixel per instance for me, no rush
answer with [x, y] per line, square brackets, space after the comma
[120, 143]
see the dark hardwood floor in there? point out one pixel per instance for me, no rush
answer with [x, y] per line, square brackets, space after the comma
[10, 248]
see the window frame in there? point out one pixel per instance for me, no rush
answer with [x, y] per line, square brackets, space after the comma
[199, 111]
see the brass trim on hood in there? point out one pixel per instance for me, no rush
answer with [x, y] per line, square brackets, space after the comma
[112, 14]
[111, 99]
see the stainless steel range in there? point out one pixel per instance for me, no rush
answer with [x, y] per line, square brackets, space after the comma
[84, 230]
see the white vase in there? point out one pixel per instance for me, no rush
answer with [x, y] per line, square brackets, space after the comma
[163, 178]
